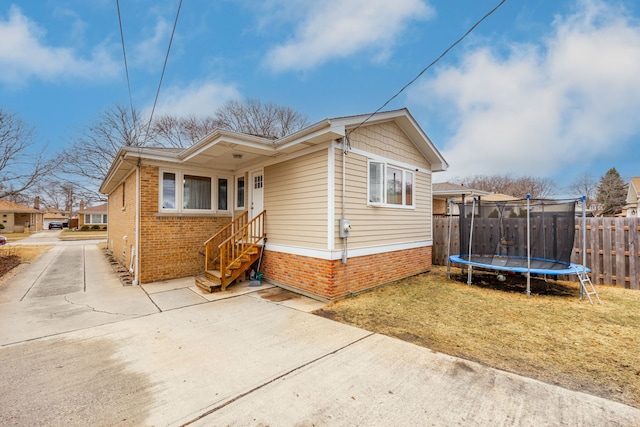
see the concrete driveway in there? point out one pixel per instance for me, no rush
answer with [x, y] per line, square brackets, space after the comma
[78, 348]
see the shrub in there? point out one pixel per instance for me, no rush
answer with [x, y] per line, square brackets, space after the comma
[104, 227]
[95, 227]
[1, 226]
[85, 228]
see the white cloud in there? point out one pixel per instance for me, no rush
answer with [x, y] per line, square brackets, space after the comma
[24, 55]
[198, 99]
[562, 103]
[338, 28]
[151, 51]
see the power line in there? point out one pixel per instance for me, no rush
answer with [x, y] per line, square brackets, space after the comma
[435, 61]
[164, 66]
[126, 67]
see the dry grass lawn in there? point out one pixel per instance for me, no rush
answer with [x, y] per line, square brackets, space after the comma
[82, 235]
[12, 256]
[552, 336]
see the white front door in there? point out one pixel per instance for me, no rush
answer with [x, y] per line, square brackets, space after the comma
[257, 193]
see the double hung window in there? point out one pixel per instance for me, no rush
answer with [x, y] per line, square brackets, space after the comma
[390, 185]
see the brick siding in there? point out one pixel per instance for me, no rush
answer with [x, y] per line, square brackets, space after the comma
[170, 245]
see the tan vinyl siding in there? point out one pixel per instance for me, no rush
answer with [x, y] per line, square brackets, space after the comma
[388, 140]
[295, 198]
[373, 226]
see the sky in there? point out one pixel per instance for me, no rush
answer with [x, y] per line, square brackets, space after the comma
[540, 88]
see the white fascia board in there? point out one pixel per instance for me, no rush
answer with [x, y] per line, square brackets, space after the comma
[257, 143]
[336, 254]
[330, 132]
[225, 136]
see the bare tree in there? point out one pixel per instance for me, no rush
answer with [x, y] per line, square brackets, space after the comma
[253, 117]
[612, 193]
[181, 132]
[90, 155]
[513, 186]
[585, 185]
[21, 165]
[65, 195]
[92, 152]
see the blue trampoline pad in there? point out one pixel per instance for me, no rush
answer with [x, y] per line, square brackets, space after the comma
[519, 264]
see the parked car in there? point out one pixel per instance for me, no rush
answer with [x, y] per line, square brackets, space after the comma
[55, 224]
[3, 240]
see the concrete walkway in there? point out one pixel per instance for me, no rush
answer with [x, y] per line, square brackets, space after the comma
[92, 352]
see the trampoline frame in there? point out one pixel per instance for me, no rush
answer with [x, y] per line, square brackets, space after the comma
[571, 268]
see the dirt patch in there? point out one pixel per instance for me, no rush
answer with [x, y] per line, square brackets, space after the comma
[517, 283]
[7, 263]
[276, 294]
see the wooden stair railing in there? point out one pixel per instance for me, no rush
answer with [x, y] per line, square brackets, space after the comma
[212, 250]
[232, 255]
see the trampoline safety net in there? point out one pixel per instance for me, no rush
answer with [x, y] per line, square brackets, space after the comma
[499, 235]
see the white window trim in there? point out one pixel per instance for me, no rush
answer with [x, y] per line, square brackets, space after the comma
[230, 190]
[235, 194]
[180, 189]
[103, 217]
[384, 203]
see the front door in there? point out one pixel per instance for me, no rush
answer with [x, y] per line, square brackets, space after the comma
[257, 193]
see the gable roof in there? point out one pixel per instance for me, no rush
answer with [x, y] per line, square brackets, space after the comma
[95, 209]
[7, 206]
[449, 189]
[232, 150]
[633, 193]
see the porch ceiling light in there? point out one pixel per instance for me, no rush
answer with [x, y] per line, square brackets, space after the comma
[237, 155]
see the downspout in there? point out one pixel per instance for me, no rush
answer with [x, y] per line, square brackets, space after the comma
[136, 274]
[344, 195]
[345, 253]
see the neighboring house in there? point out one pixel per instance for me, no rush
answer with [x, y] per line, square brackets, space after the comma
[17, 218]
[633, 197]
[94, 215]
[53, 216]
[444, 192]
[339, 218]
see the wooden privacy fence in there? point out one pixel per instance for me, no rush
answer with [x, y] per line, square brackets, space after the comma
[613, 248]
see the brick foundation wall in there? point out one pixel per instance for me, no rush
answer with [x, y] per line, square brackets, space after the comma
[332, 279]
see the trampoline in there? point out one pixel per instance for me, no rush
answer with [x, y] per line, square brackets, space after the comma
[529, 236]
[519, 264]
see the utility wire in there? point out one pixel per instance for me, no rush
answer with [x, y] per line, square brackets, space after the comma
[442, 55]
[126, 67]
[164, 67]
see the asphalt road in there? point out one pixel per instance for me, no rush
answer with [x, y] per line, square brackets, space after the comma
[78, 349]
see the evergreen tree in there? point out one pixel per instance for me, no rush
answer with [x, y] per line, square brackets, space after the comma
[612, 193]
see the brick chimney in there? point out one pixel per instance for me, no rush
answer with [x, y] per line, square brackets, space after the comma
[81, 205]
[36, 203]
